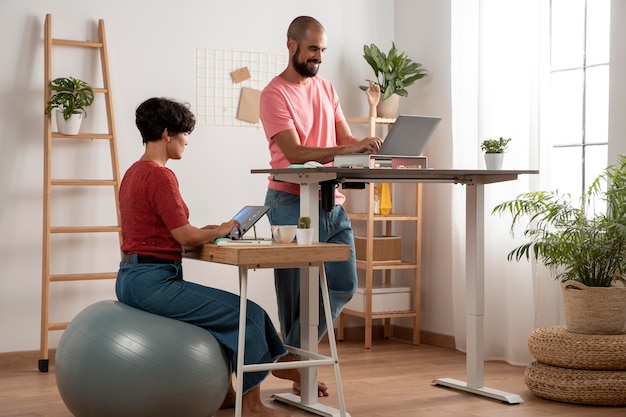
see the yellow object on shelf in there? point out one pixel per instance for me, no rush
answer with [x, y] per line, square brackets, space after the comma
[385, 198]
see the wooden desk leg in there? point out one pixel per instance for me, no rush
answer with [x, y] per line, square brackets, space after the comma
[241, 342]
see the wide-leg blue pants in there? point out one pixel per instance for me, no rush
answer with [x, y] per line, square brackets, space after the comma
[335, 227]
[160, 289]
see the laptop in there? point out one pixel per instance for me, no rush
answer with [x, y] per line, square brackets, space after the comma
[406, 139]
[247, 218]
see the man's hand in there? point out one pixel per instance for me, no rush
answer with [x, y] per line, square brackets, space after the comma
[367, 145]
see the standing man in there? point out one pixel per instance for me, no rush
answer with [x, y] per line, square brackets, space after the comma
[303, 121]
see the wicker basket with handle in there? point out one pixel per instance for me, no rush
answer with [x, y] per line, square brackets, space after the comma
[594, 310]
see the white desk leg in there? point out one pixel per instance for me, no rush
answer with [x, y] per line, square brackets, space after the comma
[309, 318]
[241, 342]
[474, 300]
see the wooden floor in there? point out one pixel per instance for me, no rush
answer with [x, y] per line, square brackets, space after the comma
[391, 379]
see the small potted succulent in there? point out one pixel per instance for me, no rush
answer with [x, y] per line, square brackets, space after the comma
[304, 233]
[494, 152]
[70, 97]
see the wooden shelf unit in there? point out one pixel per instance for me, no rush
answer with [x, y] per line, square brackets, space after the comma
[369, 266]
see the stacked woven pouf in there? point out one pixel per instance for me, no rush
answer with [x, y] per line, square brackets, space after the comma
[577, 368]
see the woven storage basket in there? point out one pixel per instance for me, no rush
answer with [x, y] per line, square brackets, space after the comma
[594, 310]
[557, 347]
[575, 385]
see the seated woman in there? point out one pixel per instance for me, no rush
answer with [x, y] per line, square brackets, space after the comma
[155, 226]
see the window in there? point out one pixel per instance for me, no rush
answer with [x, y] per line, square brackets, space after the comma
[579, 92]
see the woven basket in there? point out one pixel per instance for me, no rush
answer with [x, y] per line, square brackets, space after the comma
[557, 347]
[594, 310]
[575, 385]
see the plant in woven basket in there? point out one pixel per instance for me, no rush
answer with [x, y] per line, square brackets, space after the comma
[573, 240]
[584, 248]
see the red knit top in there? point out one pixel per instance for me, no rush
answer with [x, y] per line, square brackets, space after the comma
[151, 206]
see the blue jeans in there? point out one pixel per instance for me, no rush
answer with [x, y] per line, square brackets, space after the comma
[342, 279]
[160, 289]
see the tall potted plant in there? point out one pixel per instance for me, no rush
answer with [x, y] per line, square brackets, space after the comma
[584, 248]
[70, 97]
[394, 72]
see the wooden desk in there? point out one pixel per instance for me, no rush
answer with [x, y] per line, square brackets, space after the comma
[474, 181]
[310, 258]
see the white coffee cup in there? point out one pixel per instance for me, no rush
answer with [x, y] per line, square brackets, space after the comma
[284, 233]
[304, 236]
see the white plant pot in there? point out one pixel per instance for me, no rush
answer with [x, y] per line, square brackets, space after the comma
[493, 161]
[70, 126]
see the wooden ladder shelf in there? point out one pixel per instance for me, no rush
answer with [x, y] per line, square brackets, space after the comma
[49, 182]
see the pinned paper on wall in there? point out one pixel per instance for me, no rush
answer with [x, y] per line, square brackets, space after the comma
[240, 75]
[249, 105]
[229, 84]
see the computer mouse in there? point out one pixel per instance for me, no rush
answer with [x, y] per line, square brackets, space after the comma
[313, 164]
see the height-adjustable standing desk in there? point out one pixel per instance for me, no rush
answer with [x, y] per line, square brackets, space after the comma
[474, 182]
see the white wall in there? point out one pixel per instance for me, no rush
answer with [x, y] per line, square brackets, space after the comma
[152, 53]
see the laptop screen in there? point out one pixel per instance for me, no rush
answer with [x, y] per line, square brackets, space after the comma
[247, 217]
[409, 135]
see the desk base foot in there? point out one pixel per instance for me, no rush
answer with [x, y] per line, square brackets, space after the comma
[484, 391]
[317, 408]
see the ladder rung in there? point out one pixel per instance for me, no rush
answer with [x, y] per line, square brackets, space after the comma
[83, 182]
[100, 90]
[57, 326]
[69, 42]
[83, 277]
[83, 136]
[85, 229]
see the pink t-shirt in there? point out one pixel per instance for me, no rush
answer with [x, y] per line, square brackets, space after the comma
[312, 109]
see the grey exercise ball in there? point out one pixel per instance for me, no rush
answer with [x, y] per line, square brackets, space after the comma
[115, 360]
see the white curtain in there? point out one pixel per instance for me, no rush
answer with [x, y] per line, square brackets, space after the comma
[498, 59]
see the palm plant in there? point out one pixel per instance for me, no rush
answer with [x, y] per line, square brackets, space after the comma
[574, 241]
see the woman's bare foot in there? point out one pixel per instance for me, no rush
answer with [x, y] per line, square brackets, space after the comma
[252, 406]
[229, 400]
[294, 375]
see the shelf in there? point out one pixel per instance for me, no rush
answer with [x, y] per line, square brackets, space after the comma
[387, 265]
[383, 218]
[368, 305]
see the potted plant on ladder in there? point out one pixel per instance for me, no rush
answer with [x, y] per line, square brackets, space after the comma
[70, 98]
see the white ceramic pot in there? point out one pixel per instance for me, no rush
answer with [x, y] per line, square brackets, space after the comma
[70, 126]
[493, 161]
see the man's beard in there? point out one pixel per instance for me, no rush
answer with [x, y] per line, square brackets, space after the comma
[302, 67]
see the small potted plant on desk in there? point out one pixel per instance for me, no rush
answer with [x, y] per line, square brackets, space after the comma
[584, 249]
[304, 233]
[70, 98]
[494, 152]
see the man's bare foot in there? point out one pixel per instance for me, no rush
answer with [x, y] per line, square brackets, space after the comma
[252, 406]
[294, 375]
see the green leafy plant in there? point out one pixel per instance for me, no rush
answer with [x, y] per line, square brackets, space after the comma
[304, 222]
[574, 241]
[495, 145]
[70, 95]
[394, 71]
